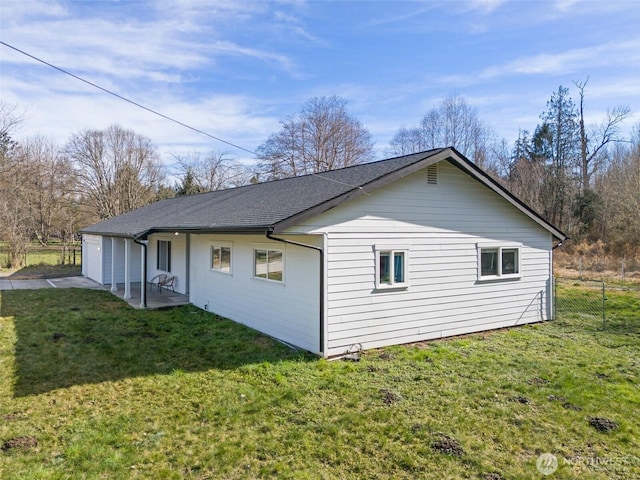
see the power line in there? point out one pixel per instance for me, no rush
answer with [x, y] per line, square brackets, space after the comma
[166, 117]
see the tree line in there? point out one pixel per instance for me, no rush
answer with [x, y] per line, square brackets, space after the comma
[585, 179]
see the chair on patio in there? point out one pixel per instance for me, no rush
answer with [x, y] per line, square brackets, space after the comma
[163, 280]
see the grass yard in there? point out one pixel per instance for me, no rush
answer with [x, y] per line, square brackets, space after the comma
[44, 262]
[91, 388]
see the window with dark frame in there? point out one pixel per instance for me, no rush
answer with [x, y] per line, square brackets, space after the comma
[164, 256]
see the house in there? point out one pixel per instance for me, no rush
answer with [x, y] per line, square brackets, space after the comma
[411, 248]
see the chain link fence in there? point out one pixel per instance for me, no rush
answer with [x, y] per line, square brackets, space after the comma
[580, 298]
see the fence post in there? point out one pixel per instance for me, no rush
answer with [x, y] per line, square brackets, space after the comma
[554, 289]
[604, 318]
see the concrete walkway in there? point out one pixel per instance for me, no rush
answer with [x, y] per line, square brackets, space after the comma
[67, 282]
[156, 298]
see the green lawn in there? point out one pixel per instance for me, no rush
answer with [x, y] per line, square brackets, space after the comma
[90, 388]
[45, 262]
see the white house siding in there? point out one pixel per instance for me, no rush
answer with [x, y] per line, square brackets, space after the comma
[92, 257]
[289, 310]
[97, 259]
[179, 268]
[441, 225]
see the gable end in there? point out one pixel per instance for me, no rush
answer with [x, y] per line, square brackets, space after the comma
[432, 174]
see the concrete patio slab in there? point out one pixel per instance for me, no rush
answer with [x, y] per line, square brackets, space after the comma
[75, 282]
[155, 298]
[6, 284]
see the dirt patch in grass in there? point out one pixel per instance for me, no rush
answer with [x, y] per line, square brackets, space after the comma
[448, 445]
[263, 341]
[389, 397]
[492, 476]
[386, 356]
[564, 402]
[602, 424]
[57, 336]
[19, 443]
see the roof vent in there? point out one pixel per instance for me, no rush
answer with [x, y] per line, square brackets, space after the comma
[432, 174]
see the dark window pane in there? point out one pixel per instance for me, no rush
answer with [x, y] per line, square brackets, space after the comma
[385, 268]
[489, 262]
[509, 261]
[398, 267]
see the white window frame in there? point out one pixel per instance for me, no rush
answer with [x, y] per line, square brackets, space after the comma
[268, 248]
[499, 249]
[392, 251]
[221, 245]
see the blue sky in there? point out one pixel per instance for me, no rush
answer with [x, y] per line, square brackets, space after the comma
[237, 68]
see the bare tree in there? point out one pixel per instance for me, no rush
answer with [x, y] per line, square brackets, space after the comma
[323, 136]
[593, 142]
[619, 187]
[117, 169]
[215, 171]
[407, 141]
[49, 186]
[14, 212]
[453, 123]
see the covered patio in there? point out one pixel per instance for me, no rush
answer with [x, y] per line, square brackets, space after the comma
[155, 298]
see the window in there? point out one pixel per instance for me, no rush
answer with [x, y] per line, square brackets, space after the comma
[164, 256]
[268, 264]
[221, 258]
[391, 267]
[499, 262]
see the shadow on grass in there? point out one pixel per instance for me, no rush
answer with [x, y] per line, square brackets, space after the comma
[67, 337]
[46, 271]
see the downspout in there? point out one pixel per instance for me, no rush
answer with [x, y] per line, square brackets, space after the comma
[269, 235]
[143, 281]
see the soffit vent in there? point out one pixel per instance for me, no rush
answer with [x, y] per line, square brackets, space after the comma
[432, 174]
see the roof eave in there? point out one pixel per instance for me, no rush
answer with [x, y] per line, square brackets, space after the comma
[223, 229]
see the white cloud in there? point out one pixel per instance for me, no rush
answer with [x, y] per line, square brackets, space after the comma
[605, 55]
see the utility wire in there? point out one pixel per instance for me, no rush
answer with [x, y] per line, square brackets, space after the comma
[126, 99]
[166, 117]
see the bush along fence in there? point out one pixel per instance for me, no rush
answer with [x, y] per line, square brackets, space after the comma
[583, 298]
[36, 254]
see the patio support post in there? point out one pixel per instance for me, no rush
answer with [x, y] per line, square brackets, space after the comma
[114, 284]
[127, 270]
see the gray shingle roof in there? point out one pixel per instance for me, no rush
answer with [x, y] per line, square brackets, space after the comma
[273, 205]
